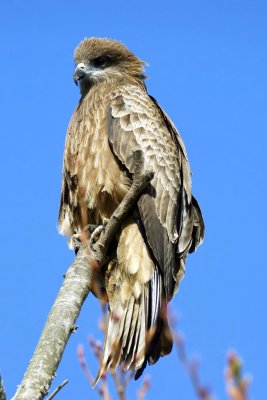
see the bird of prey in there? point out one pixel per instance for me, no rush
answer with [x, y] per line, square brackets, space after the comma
[116, 115]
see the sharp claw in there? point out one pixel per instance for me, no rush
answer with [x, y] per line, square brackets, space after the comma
[95, 236]
[75, 242]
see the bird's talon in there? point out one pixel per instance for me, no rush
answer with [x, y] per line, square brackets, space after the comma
[75, 242]
[96, 235]
[105, 221]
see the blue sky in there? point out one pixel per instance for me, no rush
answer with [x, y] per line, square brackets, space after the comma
[207, 67]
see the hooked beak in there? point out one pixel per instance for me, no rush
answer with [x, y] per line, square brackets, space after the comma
[79, 73]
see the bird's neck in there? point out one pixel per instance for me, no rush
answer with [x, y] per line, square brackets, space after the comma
[111, 84]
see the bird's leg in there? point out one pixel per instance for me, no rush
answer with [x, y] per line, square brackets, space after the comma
[95, 235]
[91, 230]
[75, 242]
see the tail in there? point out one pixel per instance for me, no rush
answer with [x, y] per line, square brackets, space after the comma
[137, 333]
[137, 329]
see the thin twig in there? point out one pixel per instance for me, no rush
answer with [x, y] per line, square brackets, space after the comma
[144, 388]
[58, 389]
[2, 390]
[119, 384]
[192, 367]
[102, 389]
[236, 384]
[76, 287]
[83, 364]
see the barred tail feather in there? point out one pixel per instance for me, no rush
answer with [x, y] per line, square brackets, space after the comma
[136, 333]
[125, 338]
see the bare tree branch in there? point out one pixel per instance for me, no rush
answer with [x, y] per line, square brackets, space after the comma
[141, 394]
[75, 289]
[192, 366]
[2, 389]
[55, 392]
[57, 330]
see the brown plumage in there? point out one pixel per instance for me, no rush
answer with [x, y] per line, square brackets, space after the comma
[115, 115]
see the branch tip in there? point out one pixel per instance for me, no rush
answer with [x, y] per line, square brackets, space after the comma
[53, 394]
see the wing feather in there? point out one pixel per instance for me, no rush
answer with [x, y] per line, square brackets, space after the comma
[135, 121]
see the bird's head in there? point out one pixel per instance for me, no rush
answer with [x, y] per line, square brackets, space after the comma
[105, 60]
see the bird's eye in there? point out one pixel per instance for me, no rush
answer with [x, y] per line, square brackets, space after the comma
[100, 62]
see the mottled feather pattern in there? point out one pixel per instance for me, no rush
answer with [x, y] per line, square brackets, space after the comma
[88, 155]
[136, 122]
[143, 128]
[115, 116]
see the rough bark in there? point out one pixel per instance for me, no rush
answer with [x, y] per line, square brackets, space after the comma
[76, 287]
[57, 330]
